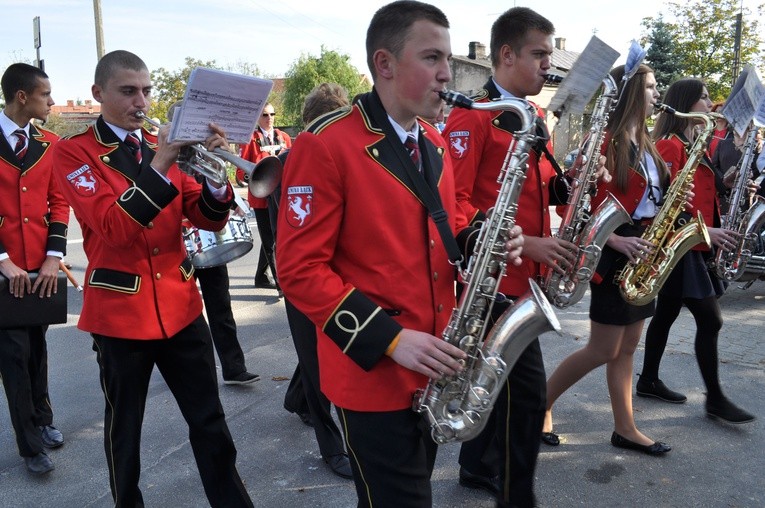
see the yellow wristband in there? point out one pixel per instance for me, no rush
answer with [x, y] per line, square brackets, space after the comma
[392, 345]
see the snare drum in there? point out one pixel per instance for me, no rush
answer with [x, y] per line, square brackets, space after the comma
[207, 248]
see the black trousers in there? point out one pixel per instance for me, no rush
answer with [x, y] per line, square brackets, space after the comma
[304, 390]
[392, 456]
[214, 282]
[509, 444]
[266, 258]
[186, 363]
[24, 369]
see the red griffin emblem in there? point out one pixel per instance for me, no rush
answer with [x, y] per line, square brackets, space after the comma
[83, 181]
[300, 202]
[458, 143]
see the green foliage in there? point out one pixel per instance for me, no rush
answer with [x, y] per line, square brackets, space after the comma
[309, 71]
[703, 32]
[661, 55]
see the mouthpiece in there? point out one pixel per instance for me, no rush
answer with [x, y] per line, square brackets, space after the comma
[456, 99]
[142, 116]
[553, 78]
[663, 107]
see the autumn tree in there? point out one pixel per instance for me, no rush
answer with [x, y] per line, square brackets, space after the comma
[308, 71]
[704, 32]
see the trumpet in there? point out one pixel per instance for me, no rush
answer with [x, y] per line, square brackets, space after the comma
[196, 160]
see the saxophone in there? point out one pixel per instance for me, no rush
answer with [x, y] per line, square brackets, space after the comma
[581, 226]
[746, 220]
[640, 281]
[457, 407]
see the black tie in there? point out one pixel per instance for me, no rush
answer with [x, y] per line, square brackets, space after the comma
[134, 144]
[414, 150]
[21, 144]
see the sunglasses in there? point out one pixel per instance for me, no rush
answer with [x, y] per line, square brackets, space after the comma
[265, 115]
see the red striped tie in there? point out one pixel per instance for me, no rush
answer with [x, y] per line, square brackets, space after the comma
[134, 144]
[414, 150]
[21, 144]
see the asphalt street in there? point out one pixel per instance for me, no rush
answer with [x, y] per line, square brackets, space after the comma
[712, 464]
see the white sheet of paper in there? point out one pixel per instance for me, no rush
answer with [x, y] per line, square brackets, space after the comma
[233, 101]
[745, 96]
[584, 78]
[759, 114]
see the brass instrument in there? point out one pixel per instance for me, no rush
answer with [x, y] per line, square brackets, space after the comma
[457, 407]
[580, 225]
[744, 219]
[671, 237]
[194, 159]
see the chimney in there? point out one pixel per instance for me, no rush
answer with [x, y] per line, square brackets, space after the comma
[88, 102]
[70, 104]
[560, 43]
[476, 51]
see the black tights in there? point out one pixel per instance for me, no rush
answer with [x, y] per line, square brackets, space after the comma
[706, 313]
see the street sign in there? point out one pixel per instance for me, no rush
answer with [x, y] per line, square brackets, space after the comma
[36, 29]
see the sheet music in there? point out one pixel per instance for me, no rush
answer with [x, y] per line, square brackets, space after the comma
[759, 114]
[233, 101]
[584, 78]
[745, 96]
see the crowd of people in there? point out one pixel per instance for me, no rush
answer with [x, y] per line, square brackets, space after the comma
[382, 170]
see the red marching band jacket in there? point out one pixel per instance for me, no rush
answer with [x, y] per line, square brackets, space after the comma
[478, 143]
[139, 282]
[254, 152]
[358, 254]
[673, 150]
[33, 213]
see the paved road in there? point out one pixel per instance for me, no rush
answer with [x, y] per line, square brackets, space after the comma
[712, 464]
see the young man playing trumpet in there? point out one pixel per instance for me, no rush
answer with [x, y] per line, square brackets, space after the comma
[141, 302]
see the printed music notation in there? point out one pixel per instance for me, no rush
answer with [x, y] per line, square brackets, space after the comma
[744, 101]
[233, 101]
[584, 78]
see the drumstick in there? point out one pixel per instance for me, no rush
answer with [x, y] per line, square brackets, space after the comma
[69, 275]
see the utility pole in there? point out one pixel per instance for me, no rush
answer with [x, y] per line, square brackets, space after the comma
[737, 46]
[99, 29]
[40, 64]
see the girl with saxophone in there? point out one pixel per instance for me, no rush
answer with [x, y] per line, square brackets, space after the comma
[690, 283]
[640, 178]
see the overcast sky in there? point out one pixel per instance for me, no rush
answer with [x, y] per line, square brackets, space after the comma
[270, 34]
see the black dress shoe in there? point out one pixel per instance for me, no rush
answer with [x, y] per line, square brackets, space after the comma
[264, 283]
[726, 410]
[245, 378]
[550, 438]
[658, 448]
[306, 418]
[51, 436]
[476, 481]
[39, 464]
[658, 390]
[340, 465]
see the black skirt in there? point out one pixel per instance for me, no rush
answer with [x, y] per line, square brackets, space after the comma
[607, 306]
[691, 278]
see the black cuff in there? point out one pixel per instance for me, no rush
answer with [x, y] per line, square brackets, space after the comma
[150, 194]
[56, 237]
[361, 329]
[212, 208]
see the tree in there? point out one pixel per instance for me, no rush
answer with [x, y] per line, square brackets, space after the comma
[308, 71]
[661, 55]
[704, 32]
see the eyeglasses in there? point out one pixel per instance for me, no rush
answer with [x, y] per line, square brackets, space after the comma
[266, 115]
